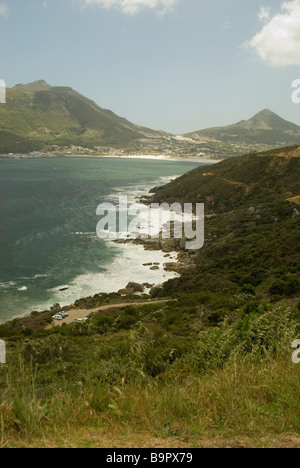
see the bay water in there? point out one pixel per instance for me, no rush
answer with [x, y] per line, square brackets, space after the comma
[49, 250]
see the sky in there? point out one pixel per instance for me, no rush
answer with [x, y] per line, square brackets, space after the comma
[173, 65]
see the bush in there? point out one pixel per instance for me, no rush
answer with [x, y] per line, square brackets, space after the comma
[288, 286]
[277, 288]
[50, 348]
[256, 336]
[27, 331]
[249, 289]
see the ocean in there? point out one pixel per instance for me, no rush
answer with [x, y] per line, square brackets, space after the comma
[49, 248]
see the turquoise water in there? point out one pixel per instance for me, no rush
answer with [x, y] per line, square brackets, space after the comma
[48, 224]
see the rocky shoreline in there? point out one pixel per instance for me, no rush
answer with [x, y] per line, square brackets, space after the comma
[185, 259]
[145, 291]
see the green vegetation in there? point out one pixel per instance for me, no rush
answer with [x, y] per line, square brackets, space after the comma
[212, 367]
[176, 373]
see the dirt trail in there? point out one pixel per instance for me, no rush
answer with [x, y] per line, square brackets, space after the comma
[83, 313]
[232, 182]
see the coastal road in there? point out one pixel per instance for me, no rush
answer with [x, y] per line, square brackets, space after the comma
[83, 313]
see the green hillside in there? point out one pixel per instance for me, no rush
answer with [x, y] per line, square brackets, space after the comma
[37, 116]
[264, 128]
[252, 221]
[238, 181]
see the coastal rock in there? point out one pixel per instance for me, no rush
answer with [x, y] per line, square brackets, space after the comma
[154, 268]
[177, 267]
[171, 266]
[149, 244]
[166, 249]
[148, 285]
[126, 292]
[182, 243]
[166, 245]
[136, 287]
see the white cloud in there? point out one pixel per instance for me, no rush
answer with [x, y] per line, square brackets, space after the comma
[133, 7]
[3, 10]
[264, 13]
[278, 43]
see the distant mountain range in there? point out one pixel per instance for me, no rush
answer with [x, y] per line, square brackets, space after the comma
[264, 128]
[39, 117]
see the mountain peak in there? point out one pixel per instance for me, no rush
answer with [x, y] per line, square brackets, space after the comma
[265, 113]
[34, 86]
[268, 120]
[264, 128]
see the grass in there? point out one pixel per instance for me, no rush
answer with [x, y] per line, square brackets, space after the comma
[160, 381]
[256, 403]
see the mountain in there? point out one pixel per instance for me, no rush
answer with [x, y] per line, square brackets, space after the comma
[266, 128]
[38, 116]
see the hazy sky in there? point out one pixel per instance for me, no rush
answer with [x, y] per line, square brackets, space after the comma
[176, 65]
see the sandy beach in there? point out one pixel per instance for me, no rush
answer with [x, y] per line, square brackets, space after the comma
[146, 156]
[112, 156]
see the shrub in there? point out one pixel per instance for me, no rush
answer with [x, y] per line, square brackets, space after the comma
[252, 338]
[277, 288]
[249, 289]
[288, 286]
[50, 348]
